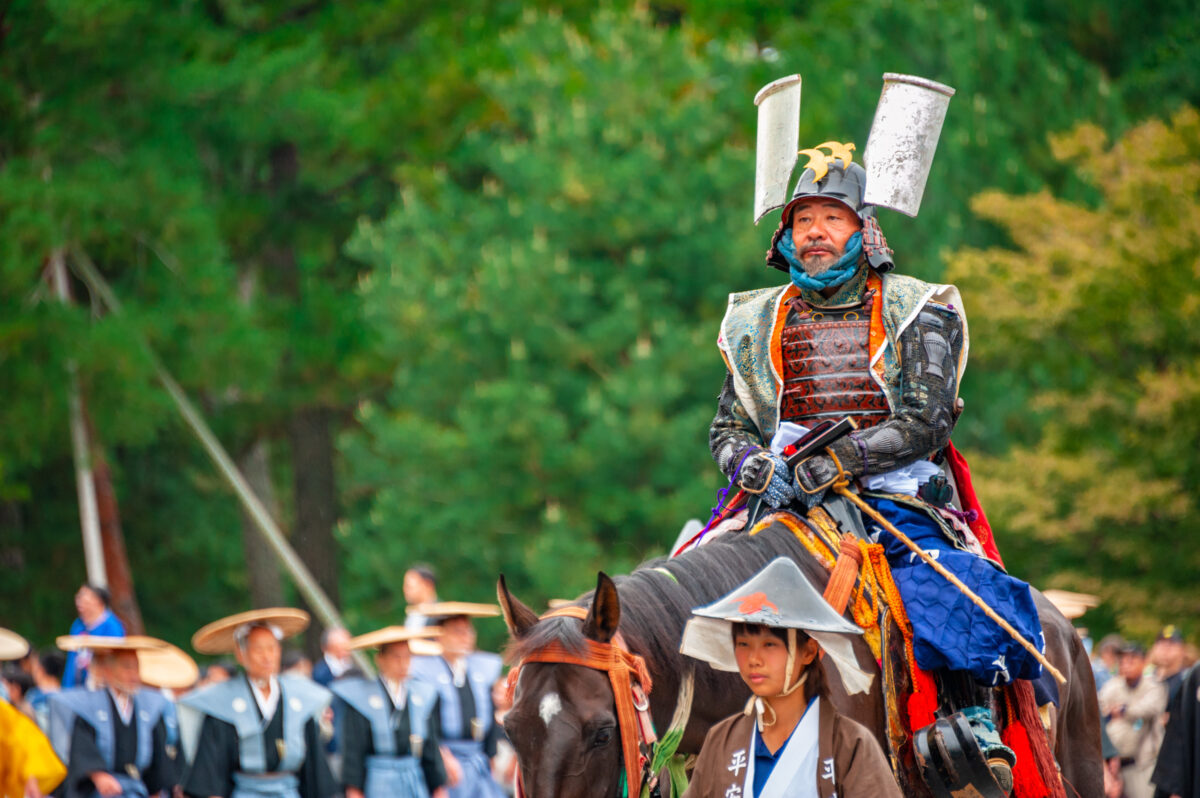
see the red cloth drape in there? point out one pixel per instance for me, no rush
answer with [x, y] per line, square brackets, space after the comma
[966, 494]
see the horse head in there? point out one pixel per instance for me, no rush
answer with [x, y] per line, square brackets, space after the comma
[563, 722]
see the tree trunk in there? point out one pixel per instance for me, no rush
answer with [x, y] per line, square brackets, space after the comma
[116, 561]
[315, 498]
[310, 433]
[266, 583]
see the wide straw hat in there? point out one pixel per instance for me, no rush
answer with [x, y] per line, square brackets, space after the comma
[441, 610]
[393, 634]
[102, 643]
[12, 645]
[425, 647]
[218, 636]
[1071, 605]
[169, 667]
[160, 664]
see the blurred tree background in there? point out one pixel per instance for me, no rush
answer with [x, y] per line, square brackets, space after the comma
[445, 279]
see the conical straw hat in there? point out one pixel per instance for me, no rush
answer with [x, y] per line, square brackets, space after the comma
[440, 610]
[167, 667]
[12, 645]
[102, 643]
[218, 636]
[393, 634]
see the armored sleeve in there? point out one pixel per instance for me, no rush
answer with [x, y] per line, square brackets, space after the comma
[732, 436]
[921, 422]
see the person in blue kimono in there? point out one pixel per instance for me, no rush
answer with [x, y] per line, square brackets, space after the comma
[96, 618]
[115, 740]
[389, 726]
[463, 679]
[257, 734]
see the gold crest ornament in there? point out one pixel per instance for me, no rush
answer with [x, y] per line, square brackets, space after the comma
[819, 162]
[281, 747]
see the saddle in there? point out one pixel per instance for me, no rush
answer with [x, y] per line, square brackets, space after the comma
[930, 748]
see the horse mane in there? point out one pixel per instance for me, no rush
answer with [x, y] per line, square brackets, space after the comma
[657, 599]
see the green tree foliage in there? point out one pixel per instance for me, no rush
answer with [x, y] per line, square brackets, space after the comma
[1094, 309]
[556, 316]
[528, 335]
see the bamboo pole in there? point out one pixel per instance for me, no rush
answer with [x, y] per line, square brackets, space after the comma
[842, 487]
[85, 485]
[258, 513]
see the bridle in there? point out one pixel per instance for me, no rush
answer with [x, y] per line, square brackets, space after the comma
[631, 689]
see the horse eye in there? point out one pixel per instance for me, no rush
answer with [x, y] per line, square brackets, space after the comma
[602, 737]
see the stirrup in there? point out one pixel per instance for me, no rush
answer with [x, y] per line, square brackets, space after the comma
[952, 763]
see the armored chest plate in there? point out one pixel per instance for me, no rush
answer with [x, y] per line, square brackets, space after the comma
[826, 369]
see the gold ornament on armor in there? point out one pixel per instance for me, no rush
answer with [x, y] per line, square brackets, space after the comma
[819, 162]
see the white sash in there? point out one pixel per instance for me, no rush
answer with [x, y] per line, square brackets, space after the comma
[795, 772]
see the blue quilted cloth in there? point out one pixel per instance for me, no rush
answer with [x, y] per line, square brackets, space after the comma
[949, 631]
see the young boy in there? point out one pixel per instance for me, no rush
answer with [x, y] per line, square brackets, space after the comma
[790, 741]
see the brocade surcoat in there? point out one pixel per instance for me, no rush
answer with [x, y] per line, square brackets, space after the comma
[903, 395]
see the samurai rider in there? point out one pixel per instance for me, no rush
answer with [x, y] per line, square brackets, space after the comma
[390, 742]
[846, 336]
[463, 679]
[258, 733]
[790, 740]
[120, 738]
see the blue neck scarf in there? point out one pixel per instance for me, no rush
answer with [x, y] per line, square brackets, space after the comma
[836, 274]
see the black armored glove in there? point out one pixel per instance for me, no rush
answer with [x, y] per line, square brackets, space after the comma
[813, 473]
[766, 473]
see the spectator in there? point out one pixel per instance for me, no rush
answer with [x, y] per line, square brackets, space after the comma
[295, 663]
[1132, 704]
[497, 744]
[1113, 787]
[1167, 656]
[1177, 773]
[96, 618]
[47, 677]
[420, 587]
[18, 683]
[335, 656]
[1104, 662]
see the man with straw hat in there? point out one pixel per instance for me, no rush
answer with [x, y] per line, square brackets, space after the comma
[790, 741]
[116, 739]
[28, 765]
[463, 678]
[388, 727]
[256, 734]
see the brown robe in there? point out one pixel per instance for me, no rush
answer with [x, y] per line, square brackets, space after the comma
[846, 751]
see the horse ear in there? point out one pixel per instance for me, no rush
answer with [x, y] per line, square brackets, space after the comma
[604, 616]
[517, 616]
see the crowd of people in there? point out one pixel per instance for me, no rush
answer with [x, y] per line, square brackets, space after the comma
[1148, 704]
[429, 725]
[111, 714]
[840, 394]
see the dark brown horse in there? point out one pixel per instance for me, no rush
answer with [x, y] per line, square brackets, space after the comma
[563, 722]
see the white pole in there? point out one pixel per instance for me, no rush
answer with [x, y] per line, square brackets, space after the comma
[85, 486]
[303, 578]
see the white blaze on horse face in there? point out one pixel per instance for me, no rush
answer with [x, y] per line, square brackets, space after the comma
[551, 705]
